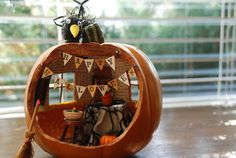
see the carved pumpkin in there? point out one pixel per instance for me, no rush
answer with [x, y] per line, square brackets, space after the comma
[147, 109]
[106, 139]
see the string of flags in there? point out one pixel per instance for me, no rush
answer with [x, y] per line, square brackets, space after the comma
[58, 82]
[89, 62]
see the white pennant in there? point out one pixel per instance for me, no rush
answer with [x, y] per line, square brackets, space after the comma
[124, 78]
[89, 63]
[111, 62]
[47, 72]
[132, 73]
[66, 58]
[92, 89]
[100, 63]
[78, 61]
[103, 89]
[114, 83]
[80, 91]
[58, 82]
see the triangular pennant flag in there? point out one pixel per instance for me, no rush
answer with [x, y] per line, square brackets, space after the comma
[80, 90]
[78, 62]
[89, 63]
[62, 81]
[124, 78]
[66, 58]
[132, 73]
[47, 72]
[69, 86]
[103, 89]
[100, 63]
[111, 62]
[114, 84]
[92, 89]
[58, 82]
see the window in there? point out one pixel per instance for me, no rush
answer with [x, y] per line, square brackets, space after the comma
[191, 43]
[60, 93]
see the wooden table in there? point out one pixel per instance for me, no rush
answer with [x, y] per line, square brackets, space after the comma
[77, 128]
[184, 132]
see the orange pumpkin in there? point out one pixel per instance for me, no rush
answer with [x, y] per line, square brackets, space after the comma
[49, 125]
[106, 139]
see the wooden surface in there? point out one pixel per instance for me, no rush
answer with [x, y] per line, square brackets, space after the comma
[183, 132]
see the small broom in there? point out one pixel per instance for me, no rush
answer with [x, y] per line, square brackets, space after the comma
[26, 149]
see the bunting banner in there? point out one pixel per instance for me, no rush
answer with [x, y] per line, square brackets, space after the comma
[69, 86]
[78, 61]
[80, 90]
[113, 83]
[132, 73]
[111, 62]
[66, 58]
[92, 89]
[47, 72]
[89, 63]
[58, 82]
[103, 89]
[100, 63]
[124, 78]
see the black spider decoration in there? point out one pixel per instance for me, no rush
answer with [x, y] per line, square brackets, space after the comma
[78, 28]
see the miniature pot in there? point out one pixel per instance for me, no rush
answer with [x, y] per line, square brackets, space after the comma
[107, 99]
[71, 115]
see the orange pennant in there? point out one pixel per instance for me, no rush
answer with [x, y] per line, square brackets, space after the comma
[100, 63]
[114, 84]
[69, 86]
[78, 61]
[92, 89]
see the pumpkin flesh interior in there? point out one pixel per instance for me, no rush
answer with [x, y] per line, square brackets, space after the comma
[52, 121]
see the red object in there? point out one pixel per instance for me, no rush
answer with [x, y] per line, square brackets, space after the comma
[38, 102]
[107, 99]
[106, 139]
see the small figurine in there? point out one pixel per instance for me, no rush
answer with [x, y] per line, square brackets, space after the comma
[78, 28]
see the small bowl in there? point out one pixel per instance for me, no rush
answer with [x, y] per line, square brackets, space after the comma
[68, 114]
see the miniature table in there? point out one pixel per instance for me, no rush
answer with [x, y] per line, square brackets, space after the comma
[77, 126]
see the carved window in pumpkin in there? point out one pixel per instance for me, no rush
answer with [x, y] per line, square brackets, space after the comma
[134, 88]
[61, 88]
